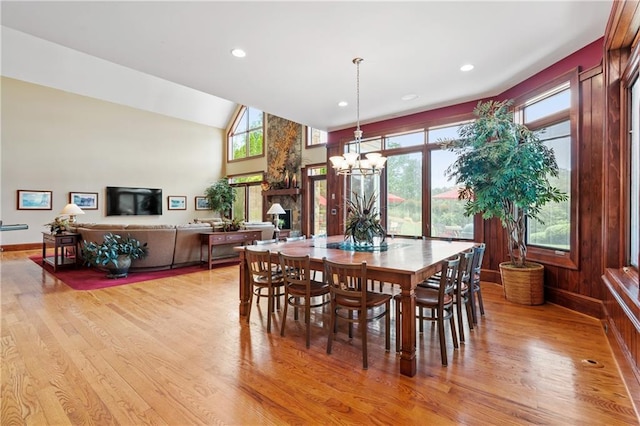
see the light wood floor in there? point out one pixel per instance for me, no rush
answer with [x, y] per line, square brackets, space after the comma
[174, 351]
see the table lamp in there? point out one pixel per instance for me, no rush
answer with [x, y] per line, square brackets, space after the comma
[276, 210]
[71, 210]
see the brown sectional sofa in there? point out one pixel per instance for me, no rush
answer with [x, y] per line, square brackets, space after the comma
[170, 246]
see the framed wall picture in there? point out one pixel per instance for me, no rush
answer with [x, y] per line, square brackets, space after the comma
[176, 202]
[202, 203]
[84, 200]
[34, 200]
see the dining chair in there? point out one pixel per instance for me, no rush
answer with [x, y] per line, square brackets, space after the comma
[475, 290]
[439, 302]
[350, 301]
[262, 275]
[300, 290]
[462, 293]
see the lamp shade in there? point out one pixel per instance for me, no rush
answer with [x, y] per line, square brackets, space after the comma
[71, 209]
[276, 208]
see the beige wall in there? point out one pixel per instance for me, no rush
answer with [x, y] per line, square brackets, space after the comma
[54, 140]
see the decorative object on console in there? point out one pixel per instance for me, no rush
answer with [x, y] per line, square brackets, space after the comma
[58, 225]
[232, 225]
[115, 253]
[350, 162]
[276, 210]
[220, 196]
[71, 210]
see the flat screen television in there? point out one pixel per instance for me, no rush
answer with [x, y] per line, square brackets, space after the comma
[123, 201]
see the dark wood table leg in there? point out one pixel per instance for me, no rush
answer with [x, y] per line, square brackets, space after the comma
[244, 286]
[408, 350]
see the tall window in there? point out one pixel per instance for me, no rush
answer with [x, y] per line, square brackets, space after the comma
[447, 218]
[548, 116]
[246, 137]
[318, 196]
[404, 194]
[248, 203]
[634, 177]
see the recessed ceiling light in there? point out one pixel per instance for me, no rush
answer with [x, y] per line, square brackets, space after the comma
[343, 104]
[409, 97]
[238, 53]
[466, 67]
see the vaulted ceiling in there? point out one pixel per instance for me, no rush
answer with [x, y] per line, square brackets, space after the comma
[174, 57]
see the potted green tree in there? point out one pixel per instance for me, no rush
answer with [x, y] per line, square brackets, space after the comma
[504, 169]
[115, 253]
[221, 196]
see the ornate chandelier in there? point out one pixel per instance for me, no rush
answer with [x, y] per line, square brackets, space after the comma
[351, 163]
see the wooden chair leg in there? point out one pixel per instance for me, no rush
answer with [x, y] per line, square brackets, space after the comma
[443, 346]
[284, 313]
[269, 309]
[332, 328]
[460, 323]
[387, 326]
[398, 325]
[307, 320]
[480, 300]
[362, 321]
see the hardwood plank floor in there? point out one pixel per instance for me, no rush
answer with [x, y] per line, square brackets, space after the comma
[174, 351]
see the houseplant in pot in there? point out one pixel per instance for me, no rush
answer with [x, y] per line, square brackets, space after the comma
[362, 227]
[115, 253]
[221, 196]
[504, 169]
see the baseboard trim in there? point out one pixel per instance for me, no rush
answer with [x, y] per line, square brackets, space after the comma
[576, 302]
[20, 247]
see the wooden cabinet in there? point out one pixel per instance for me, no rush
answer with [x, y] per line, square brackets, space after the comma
[220, 244]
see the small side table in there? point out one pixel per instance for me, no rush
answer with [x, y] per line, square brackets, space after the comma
[60, 242]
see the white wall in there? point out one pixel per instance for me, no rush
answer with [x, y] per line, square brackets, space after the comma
[57, 141]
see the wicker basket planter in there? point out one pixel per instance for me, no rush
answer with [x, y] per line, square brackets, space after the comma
[523, 285]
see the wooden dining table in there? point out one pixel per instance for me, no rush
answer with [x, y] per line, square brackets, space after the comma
[405, 262]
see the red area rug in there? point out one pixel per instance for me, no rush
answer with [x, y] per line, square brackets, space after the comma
[84, 278]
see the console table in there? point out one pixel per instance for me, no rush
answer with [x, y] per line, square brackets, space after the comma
[220, 244]
[60, 242]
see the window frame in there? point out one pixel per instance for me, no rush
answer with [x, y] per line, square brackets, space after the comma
[308, 138]
[630, 76]
[246, 193]
[550, 256]
[231, 133]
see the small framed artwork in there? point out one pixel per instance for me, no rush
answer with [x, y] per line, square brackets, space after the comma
[202, 203]
[177, 202]
[34, 200]
[84, 200]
